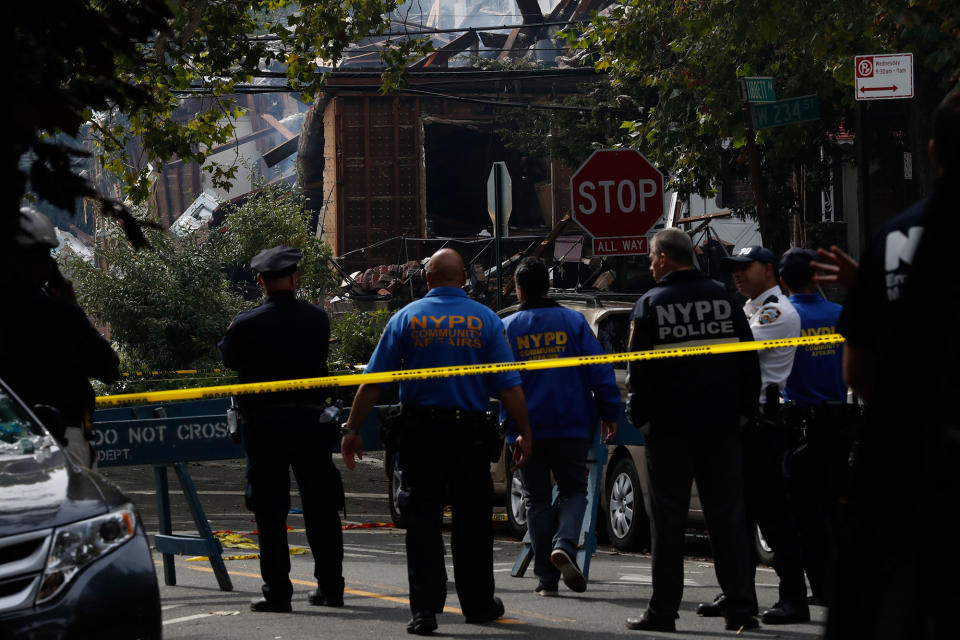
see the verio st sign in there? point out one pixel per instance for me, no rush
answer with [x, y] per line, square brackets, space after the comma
[617, 194]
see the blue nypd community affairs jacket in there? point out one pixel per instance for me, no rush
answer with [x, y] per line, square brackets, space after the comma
[694, 394]
[562, 403]
[445, 328]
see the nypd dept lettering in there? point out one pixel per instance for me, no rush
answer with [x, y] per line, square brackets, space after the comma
[457, 331]
[541, 346]
[691, 320]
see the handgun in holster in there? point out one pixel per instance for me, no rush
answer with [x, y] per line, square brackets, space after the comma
[391, 426]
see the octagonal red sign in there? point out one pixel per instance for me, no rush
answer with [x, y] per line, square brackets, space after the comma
[616, 193]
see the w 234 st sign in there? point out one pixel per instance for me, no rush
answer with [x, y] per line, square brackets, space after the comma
[617, 196]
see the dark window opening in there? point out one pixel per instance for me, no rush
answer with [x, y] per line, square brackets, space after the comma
[458, 158]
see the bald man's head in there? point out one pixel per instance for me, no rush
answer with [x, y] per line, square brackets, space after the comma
[445, 269]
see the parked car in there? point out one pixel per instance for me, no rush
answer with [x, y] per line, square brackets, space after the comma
[74, 558]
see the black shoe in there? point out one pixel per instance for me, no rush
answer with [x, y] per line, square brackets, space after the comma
[786, 613]
[741, 623]
[713, 609]
[651, 622]
[569, 571]
[495, 611]
[262, 604]
[422, 624]
[317, 599]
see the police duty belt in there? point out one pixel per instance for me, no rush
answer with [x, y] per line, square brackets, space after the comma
[382, 377]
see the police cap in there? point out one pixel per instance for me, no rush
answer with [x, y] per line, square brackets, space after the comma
[276, 262]
[754, 253]
[35, 230]
[795, 265]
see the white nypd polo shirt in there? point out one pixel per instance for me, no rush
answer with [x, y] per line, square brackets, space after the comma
[772, 317]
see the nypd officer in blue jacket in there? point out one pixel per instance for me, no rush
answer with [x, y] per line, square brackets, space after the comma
[283, 339]
[690, 410]
[446, 439]
[563, 406]
[816, 397]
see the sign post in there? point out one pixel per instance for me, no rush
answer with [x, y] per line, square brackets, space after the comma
[616, 197]
[499, 206]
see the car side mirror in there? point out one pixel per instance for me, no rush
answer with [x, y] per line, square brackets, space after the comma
[52, 419]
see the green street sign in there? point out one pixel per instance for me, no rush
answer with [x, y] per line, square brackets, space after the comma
[757, 89]
[789, 111]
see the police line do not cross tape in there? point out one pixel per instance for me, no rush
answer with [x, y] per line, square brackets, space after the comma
[350, 380]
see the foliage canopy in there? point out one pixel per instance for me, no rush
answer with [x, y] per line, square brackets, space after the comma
[670, 86]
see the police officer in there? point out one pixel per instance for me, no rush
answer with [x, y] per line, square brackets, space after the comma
[445, 445]
[815, 395]
[564, 405]
[285, 338]
[687, 439]
[901, 356]
[771, 316]
[48, 348]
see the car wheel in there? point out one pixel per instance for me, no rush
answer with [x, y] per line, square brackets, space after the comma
[393, 490]
[765, 554]
[627, 524]
[516, 507]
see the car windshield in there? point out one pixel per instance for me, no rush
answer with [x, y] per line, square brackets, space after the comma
[612, 332]
[19, 434]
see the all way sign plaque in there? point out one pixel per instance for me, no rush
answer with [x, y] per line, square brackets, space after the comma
[886, 76]
[623, 246]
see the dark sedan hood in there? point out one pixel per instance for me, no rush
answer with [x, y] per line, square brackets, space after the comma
[42, 490]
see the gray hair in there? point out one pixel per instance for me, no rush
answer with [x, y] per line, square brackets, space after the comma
[675, 244]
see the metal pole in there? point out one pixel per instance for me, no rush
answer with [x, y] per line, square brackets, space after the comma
[756, 179]
[497, 223]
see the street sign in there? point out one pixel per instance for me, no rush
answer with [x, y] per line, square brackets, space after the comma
[757, 89]
[629, 246]
[505, 187]
[789, 111]
[886, 76]
[617, 194]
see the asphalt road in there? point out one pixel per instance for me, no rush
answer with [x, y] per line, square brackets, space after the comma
[376, 602]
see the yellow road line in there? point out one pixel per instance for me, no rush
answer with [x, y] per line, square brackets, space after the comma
[199, 393]
[359, 592]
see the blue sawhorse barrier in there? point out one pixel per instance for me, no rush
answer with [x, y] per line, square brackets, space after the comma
[169, 544]
[587, 543]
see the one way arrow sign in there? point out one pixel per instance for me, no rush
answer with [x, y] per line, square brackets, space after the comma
[884, 76]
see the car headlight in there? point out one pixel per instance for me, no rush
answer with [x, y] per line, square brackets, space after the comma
[80, 543]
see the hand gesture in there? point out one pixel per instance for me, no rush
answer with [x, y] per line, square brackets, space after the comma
[834, 266]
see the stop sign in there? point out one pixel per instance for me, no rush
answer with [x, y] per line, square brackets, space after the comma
[616, 193]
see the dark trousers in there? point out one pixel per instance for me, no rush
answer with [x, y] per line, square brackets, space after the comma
[273, 448]
[817, 475]
[555, 526]
[767, 504]
[715, 462]
[439, 469]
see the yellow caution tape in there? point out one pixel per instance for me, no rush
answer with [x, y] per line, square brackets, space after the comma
[350, 380]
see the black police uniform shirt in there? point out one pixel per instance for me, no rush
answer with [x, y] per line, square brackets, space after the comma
[692, 394]
[282, 339]
[879, 280]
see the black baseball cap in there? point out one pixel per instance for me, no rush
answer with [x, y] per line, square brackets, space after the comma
[795, 265]
[276, 262]
[754, 253]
